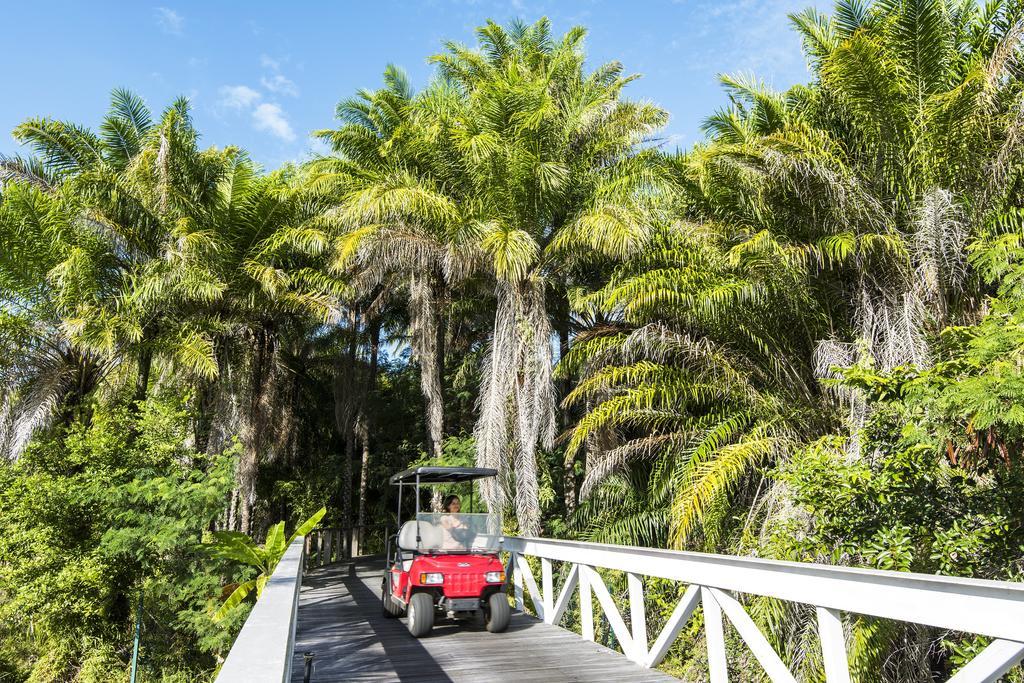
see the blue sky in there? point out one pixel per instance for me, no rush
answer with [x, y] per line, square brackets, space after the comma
[263, 74]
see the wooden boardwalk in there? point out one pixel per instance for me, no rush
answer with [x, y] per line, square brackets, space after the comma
[340, 621]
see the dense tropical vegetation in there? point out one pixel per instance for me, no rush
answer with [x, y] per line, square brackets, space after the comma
[800, 339]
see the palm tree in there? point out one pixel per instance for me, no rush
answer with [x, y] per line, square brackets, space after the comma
[696, 375]
[398, 214]
[128, 263]
[74, 203]
[274, 296]
[553, 163]
[837, 209]
[172, 254]
[885, 167]
[44, 375]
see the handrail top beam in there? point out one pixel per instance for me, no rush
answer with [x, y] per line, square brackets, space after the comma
[981, 606]
[762, 563]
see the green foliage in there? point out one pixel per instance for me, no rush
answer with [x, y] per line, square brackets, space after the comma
[95, 517]
[934, 487]
[240, 548]
[672, 384]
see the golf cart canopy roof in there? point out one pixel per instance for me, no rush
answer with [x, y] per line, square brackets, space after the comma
[437, 475]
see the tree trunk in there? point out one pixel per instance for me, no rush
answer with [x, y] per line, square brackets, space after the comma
[142, 378]
[364, 423]
[346, 399]
[442, 346]
[570, 482]
[424, 309]
[256, 421]
[232, 509]
[346, 497]
[363, 431]
[206, 393]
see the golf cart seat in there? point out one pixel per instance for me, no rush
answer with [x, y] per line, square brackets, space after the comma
[430, 539]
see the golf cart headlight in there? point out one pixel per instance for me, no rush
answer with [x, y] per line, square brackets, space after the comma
[431, 578]
[494, 577]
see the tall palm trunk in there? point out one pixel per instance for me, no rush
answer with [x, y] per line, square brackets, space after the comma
[441, 332]
[255, 423]
[345, 413]
[428, 347]
[206, 399]
[364, 422]
[570, 483]
[517, 400]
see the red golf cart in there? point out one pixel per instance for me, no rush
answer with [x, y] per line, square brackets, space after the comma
[445, 564]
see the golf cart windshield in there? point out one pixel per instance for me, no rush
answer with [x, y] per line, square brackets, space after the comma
[458, 532]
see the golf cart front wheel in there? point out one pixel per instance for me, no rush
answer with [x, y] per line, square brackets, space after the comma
[391, 607]
[421, 614]
[498, 613]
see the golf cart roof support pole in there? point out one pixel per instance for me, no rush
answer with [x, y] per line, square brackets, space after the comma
[417, 510]
[398, 512]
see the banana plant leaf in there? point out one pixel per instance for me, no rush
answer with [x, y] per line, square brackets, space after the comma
[308, 525]
[234, 545]
[236, 597]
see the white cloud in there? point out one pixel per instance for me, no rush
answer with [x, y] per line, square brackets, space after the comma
[238, 96]
[266, 116]
[169, 21]
[276, 81]
[269, 117]
[748, 35]
[279, 84]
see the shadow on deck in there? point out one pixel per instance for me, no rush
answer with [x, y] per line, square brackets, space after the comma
[340, 621]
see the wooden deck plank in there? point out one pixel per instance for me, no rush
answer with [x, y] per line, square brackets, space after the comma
[340, 621]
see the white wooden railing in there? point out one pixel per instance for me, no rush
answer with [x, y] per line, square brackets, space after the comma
[988, 608]
[262, 653]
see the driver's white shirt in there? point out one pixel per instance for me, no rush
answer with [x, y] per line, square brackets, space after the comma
[447, 523]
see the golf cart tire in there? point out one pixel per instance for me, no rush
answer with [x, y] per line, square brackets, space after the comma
[391, 607]
[421, 614]
[498, 613]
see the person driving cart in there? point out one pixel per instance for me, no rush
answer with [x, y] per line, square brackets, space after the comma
[456, 534]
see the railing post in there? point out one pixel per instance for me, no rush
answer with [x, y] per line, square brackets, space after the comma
[717, 665]
[517, 581]
[833, 646]
[328, 547]
[637, 616]
[547, 586]
[586, 603]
